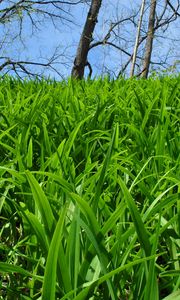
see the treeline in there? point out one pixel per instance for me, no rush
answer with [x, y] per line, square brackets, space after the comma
[131, 40]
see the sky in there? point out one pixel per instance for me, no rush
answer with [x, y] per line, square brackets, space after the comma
[37, 45]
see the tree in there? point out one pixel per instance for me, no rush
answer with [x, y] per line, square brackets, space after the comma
[149, 39]
[119, 38]
[85, 40]
[137, 38]
[13, 17]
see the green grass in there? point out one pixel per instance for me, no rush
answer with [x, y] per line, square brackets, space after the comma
[90, 189]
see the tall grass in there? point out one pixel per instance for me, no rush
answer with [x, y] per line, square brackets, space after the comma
[89, 189]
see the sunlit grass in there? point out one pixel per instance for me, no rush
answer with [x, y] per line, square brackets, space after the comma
[89, 189]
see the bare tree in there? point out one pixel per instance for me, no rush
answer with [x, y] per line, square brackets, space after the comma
[117, 37]
[118, 41]
[149, 39]
[86, 38]
[137, 38]
[113, 35]
[13, 16]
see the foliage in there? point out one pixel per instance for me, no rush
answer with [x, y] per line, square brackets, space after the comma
[89, 189]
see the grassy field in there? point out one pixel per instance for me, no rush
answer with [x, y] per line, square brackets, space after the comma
[90, 189]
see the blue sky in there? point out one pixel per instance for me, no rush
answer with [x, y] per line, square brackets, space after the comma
[38, 45]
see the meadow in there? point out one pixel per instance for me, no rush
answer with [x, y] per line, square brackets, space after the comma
[90, 189]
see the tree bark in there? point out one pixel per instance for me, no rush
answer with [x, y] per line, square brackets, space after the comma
[149, 40]
[137, 39]
[86, 37]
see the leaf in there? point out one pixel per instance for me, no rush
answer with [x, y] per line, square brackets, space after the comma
[41, 202]
[94, 235]
[173, 296]
[71, 139]
[36, 227]
[88, 291]
[8, 268]
[138, 223]
[49, 284]
[170, 273]
[113, 144]
[30, 154]
[87, 212]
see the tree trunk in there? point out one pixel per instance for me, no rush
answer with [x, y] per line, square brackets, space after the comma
[86, 37]
[149, 40]
[137, 38]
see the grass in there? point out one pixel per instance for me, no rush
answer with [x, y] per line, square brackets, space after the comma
[89, 189]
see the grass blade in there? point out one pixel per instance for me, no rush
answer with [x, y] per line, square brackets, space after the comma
[41, 202]
[49, 284]
[138, 223]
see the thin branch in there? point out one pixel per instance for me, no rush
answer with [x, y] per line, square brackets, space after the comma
[175, 10]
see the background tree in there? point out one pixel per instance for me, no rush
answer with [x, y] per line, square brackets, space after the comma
[45, 38]
[14, 17]
[149, 39]
[137, 38]
[118, 41]
[86, 37]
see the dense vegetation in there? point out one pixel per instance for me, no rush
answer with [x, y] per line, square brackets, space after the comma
[89, 189]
